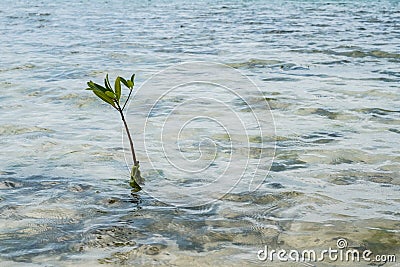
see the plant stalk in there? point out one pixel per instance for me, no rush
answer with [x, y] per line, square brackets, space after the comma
[135, 161]
[127, 99]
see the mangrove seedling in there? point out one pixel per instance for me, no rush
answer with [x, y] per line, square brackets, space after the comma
[112, 96]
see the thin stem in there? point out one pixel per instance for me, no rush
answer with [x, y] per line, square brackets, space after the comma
[135, 162]
[127, 99]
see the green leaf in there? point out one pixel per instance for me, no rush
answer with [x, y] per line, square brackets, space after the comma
[124, 81]
[130, 84]
[118, 88]
[97, 86]
[91, 85]
[111, 95]
[132, 78]
[104, 97]
[107, 83]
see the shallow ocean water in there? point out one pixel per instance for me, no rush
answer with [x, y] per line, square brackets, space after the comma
[330, 72]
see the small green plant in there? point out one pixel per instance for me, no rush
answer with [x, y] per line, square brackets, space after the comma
[112, 96]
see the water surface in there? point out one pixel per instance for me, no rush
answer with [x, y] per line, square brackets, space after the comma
[329, 71]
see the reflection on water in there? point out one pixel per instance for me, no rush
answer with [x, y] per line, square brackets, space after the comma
[329, 72]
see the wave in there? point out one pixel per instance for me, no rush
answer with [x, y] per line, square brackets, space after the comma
[354, 53]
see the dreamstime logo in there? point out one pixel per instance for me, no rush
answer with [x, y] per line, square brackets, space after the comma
[200, 130]
[341, 253]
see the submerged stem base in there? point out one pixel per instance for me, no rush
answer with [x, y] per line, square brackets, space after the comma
[136, 178]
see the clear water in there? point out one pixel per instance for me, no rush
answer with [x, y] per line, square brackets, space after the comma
[329, 70]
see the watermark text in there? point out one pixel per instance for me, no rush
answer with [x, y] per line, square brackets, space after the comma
[340, 253]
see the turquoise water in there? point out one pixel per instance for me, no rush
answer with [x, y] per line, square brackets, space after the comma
[330, 72]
